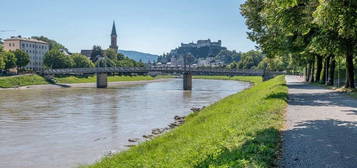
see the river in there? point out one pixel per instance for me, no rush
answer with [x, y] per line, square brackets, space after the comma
[61, 128]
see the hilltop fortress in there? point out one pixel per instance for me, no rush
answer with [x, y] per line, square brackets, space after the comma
[202, 43]
[201, 51]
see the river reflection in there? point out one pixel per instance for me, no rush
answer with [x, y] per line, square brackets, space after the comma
[68, 127]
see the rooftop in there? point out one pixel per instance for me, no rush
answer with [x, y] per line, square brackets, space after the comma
[15, 38]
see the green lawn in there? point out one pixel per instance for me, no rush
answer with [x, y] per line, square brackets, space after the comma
[241, 130]
[24, 80]
[93, 79]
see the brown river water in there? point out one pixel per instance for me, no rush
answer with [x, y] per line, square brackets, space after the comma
[61, 128]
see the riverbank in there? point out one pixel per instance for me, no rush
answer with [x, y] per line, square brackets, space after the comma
[38, 82]
[241, 130]
[84, 85]
[93, 79]
[21, 80]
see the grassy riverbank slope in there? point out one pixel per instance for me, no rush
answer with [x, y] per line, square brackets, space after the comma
[23, 80]
[241, 130]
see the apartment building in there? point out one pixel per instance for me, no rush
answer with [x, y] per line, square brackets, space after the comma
[35, 48]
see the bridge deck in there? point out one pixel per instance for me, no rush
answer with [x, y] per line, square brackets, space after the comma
[201, 71]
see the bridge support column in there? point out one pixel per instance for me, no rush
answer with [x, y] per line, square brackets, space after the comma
[102, 80]
[187, 81]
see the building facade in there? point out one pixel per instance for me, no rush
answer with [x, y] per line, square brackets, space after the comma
[36, 49]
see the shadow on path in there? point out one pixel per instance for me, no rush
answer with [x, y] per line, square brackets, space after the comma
[320, 97]
[321, 143]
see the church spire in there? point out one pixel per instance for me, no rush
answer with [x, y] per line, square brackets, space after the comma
[113, 39]
[114, 31]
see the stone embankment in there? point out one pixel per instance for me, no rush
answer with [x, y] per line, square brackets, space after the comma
[179, 120]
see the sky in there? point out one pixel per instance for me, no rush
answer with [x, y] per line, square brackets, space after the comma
[152, 26]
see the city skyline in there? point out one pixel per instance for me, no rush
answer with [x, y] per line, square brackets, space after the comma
[151, 27]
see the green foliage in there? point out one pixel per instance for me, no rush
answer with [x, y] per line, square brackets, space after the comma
[302, 31]
[97, 52]
[81, 61]
[2, 59]
[10, 60]
[52, 43]
[274, 64]
[105, 62]
[111, 54]
[250, 60]
[227, 56]
[126, 62]
[22, 58]
[24, 80]
[241, 130]
[55, 59]
[120, 56]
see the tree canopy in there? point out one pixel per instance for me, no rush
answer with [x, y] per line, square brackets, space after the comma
[81, 61]
[55, 59]
[22, 58]
[306, 34]
[10, 60]
[52, 43]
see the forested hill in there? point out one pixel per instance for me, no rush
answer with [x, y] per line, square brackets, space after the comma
[137, 56]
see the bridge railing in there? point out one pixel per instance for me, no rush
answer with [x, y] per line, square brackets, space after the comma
[152, 69]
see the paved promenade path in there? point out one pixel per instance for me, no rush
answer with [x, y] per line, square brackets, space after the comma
[321, 128]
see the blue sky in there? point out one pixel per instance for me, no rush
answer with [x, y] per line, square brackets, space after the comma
[153, 26]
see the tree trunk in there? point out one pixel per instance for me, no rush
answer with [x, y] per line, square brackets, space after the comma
[312, 69]
[326, 70]
[332, 71]
[306, 73]
[349, 65]
[319, 60]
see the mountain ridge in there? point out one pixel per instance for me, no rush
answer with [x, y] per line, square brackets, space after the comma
[137, 56]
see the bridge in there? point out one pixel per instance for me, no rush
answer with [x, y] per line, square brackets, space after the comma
[102, 73]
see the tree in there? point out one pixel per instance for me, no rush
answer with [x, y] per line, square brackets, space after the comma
[2, 60]
[111, 54]
[105, 62]
[10, 60]
[55, 59]
[97, 52]
[250, 60]
[120, 56]
[22, 58]
[52, 43]
[81, 61]
[340, 16]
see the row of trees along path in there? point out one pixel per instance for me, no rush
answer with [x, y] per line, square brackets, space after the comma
[311, 35]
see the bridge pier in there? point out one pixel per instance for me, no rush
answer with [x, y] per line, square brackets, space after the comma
[187, 81]
[102, 80]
